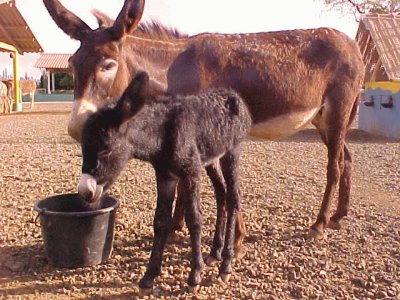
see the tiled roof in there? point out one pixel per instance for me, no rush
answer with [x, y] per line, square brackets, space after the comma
[14, 30]
[379, 39]
[53, 61]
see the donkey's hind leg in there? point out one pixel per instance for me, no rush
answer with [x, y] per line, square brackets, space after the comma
[332, 124]
[335, 147]
[344, 190]
[345, 178]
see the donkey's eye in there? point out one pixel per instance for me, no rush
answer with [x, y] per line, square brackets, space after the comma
[104, 154]
[108, 65]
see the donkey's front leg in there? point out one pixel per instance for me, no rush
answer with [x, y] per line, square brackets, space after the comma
[161, 224]
[194, 220]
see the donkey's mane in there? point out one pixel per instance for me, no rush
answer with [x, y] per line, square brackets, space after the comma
[154, 28]
[147, 29]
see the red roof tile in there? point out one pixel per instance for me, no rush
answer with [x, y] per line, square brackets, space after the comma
[53, 61]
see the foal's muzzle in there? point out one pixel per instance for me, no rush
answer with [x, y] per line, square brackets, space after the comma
[88, 188]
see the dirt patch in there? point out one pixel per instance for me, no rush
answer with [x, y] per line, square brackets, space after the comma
[282, 187]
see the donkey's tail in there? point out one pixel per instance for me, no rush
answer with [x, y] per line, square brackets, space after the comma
[354, 109]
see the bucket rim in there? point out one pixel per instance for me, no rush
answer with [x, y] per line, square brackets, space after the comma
[43, 211]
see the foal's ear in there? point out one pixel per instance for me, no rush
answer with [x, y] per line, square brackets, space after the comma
[66, 20]
[134, 97]
[128, 18]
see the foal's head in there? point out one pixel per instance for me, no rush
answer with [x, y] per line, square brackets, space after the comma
[105, 149]
[99, 68]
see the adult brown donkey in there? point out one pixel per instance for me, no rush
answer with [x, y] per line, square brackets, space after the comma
[288, 79]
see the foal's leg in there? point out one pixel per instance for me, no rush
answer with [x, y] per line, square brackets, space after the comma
[162, 221]
[193, 218]
[217, 179]
[214, 173]
[230, 169]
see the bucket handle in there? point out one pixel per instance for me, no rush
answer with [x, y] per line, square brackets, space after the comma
[42, 211]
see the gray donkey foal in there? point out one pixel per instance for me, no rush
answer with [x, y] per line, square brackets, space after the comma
[179, 136]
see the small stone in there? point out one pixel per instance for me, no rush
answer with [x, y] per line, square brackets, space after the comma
[323, 274]
[293, 275]
[381, 294]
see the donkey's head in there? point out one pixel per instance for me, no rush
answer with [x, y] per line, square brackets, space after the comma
[105, 149]
[100, 73]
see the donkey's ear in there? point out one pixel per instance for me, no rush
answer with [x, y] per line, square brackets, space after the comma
[102, 18]
[134, 97]
[128, 18]
[66, 20]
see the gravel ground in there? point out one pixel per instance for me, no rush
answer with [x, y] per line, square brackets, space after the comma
[282, 186]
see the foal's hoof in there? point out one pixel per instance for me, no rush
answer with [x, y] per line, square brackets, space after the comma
[145, 292]
[225, 277]
[194, 288]
[314, 235]
[334, 225]
[240, 252]
[211, 260]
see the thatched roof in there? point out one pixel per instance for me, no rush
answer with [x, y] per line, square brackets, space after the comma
[378, 36]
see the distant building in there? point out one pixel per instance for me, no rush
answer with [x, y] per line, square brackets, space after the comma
[378, 37]
[53, 63]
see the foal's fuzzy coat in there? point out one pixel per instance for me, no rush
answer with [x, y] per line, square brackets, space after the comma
[178, 136]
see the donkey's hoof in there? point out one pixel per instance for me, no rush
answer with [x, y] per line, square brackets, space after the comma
[240, 252]
[334, 225]
[194, 288]
[145, 292]
[225, 277]
[314, 235]
[211, 260]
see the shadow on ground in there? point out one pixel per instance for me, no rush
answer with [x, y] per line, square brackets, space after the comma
[311, 135]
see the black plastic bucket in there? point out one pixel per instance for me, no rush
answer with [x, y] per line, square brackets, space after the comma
[74, 233]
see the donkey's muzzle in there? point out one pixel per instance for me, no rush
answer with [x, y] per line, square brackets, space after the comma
[81, 110]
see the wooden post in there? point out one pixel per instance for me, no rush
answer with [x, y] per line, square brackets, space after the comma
[48, 81]
[17, 106]
[378, 65]
[53, 83]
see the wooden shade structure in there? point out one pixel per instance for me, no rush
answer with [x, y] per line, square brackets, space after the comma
[16, 38]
